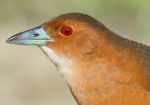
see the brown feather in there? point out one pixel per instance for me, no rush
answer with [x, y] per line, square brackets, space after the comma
[107, 68]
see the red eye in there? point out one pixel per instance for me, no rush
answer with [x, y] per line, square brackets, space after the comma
[66, 30]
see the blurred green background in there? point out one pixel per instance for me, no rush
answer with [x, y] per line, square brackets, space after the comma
[26, 75]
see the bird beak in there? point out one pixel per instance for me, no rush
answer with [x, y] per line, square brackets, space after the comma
[36, 36]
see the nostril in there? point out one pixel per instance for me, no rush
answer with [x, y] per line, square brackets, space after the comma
[35, 35]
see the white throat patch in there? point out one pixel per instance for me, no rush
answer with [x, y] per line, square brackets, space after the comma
[61, 63]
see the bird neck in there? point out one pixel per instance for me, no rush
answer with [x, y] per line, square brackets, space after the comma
[97, 76]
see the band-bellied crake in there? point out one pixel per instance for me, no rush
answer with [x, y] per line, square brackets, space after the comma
[99, 66]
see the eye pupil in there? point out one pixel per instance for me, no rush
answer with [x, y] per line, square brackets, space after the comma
[66, 30]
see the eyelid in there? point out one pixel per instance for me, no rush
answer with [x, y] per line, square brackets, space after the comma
[65, 25]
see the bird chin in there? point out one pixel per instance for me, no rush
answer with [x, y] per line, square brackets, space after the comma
[63, 64]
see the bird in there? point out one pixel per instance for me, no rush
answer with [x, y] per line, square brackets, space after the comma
[99, 66]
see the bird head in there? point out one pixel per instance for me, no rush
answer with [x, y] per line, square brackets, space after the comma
[69, 35]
